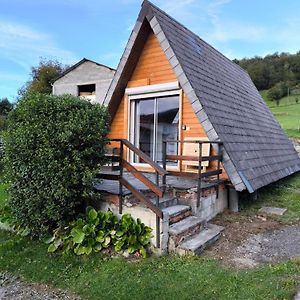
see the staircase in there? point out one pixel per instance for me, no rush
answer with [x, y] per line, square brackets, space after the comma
[188, 234]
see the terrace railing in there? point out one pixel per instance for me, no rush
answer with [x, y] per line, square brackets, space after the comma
[216, 172]
[160, 173]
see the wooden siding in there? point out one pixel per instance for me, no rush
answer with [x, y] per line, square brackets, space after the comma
[189, 119]
[152, 68]
[153, 65]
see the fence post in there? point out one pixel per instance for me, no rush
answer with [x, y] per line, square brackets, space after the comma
[121, 176]
[164, 161]
[157, 218]
[199, 175]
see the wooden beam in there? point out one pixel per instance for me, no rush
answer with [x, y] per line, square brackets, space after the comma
[154, 188]
[193, 158]
[142, 198]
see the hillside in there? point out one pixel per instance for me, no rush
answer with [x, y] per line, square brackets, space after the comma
[272, 69]
[287, 113]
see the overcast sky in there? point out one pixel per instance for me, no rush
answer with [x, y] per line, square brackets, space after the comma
[68, 30]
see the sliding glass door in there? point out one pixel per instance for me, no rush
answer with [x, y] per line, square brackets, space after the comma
[153, 121]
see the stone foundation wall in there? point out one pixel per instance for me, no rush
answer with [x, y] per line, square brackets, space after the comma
[210, 205]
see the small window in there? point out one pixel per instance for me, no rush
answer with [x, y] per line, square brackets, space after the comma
[87, 90]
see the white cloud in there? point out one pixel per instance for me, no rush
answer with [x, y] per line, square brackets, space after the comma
[234, 30]
[24, 46]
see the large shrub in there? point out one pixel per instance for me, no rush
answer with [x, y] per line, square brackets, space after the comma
[54, 146]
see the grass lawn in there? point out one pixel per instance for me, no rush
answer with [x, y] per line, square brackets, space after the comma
[287, 114]
[285, 194]
[100, 277]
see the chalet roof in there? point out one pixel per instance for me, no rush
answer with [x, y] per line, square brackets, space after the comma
[73, 67]
[224, 98]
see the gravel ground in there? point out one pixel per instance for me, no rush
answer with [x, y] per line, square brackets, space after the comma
[254, 240]
[268, 247]
[12, 288]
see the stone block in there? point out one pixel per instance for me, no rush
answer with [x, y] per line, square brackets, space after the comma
[233, 200]
[272, 211]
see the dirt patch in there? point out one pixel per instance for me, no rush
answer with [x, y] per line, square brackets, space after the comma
[250, 241]
[269, 247]
[12, 288]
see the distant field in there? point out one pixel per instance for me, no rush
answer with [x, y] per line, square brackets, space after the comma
[287, 114]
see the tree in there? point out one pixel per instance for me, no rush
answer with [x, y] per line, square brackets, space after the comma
[53, 148]
[42, 76]
[5, 107]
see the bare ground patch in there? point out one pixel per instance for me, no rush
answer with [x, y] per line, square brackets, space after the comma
[13, 288]
[251, 241]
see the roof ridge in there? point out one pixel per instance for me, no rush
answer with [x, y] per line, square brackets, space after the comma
[73, 67]
[146, 2]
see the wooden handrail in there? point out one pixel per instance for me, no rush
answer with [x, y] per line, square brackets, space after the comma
[137, 174]
[143, 156]
[193, 158]
[142, 198]
[195, 175]
[193, 142]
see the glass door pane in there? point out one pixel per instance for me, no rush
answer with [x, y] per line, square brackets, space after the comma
[155, 120]
[144, 127]
[167, 126]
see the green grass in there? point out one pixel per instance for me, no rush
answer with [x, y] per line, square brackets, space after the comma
[170, 277]
[284, 193]
[287, 114]
[100, 277]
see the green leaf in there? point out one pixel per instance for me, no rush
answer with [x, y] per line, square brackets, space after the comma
[131, 249]
[92, 214]
[78, 235]
[88, 250]
[52, 248]
[106, 242]
[49, 239]
[98, 247]
[79, 250]
[143, 252]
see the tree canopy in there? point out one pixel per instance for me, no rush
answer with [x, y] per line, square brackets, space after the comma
[5, 107]
[42, 76]
[278, 72]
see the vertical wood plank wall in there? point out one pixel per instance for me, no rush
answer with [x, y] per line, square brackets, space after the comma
[154, 68]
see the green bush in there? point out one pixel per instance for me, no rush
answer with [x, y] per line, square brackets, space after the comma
[53, 148]
[101, 230]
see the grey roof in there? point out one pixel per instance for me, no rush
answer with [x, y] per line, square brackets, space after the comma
[228, 105]
[73, 67]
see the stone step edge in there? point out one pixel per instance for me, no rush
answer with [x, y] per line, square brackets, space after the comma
[180, 209]
[213, 233]
[186, 224]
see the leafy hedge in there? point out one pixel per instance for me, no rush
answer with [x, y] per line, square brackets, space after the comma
[101, 230]
[53, 148]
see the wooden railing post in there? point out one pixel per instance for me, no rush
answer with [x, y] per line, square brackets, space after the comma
[164, 161]
[218, 176]
[121, 176]
[199, 175]
[157, 218]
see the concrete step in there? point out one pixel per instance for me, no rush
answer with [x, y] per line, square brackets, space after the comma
[177, 212]
[198, 242]
[183, 229]
[167, 200]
